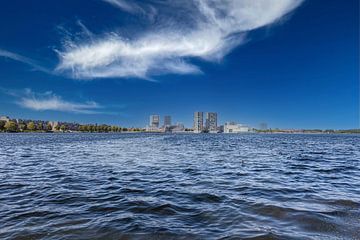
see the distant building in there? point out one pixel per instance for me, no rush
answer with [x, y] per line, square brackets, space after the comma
[232, 127]
[154, 121]
[211, 122]
[4, 118]
[178, 128]
[198, 122]
[167, 121]
[221, 129]
[263, 126]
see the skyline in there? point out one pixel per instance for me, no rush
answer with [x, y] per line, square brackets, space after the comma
[284, 69]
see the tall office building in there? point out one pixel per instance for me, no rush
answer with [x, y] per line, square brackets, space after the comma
[263, 126]
[198, 122]
[167, 121]
[211, 122]
[154, 121]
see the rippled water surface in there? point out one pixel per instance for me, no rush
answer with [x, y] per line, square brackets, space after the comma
[152, 186]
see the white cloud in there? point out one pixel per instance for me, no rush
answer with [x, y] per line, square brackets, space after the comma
[124, 5]
[48, 101]
[22, 59]
[206, 30]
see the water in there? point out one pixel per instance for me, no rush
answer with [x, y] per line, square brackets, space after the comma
[153, 186]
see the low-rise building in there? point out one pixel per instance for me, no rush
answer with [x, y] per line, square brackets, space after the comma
[178, 128]
[4, 118]
[232, 127]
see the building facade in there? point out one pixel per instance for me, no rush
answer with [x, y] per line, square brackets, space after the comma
[263, 126]
[198, 122]
[232, 127]
[167, 121]
[211, 122]
[4, 118]
[154, 121]
[178, 128]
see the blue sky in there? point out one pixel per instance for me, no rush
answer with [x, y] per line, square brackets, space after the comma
[290, 63]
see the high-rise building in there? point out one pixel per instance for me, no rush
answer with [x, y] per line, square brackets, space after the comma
[167, 121]
[211, 122]
[154, 121]
[263, 126]
[198, 122]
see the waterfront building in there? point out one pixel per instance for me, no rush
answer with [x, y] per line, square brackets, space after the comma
[198, 122]
[221, 129]
[232, 127]
[167, 121]
[4, 118]
[211, 122]
[154, 121]
[263, 126]
[178, 128]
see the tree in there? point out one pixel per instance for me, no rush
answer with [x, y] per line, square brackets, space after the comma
[31, 126]
[49, 127]
[2, 125]
[10, 126]
[63, 128]
[39, 126]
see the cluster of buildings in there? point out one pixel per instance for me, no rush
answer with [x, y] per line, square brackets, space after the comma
[210, 124]
[203, 123]
[154, 125]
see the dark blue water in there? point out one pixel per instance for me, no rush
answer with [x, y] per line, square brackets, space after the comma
[150, 186]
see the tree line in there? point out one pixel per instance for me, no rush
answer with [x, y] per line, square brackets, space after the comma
[41, 126]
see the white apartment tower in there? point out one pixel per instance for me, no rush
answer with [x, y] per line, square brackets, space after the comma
[198, 122]
[154, 121]
[211, 122]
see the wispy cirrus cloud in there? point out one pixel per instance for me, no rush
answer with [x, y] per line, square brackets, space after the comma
[48, 101]
[196, 29]
[22, 59]
[125, 5]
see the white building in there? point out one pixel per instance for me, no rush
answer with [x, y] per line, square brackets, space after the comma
[178, 128]
[154, 123]
[198, 122]
[4, 118]
[211, 122]
[232, 127]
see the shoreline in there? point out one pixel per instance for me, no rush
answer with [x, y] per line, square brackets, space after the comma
[169, 133]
